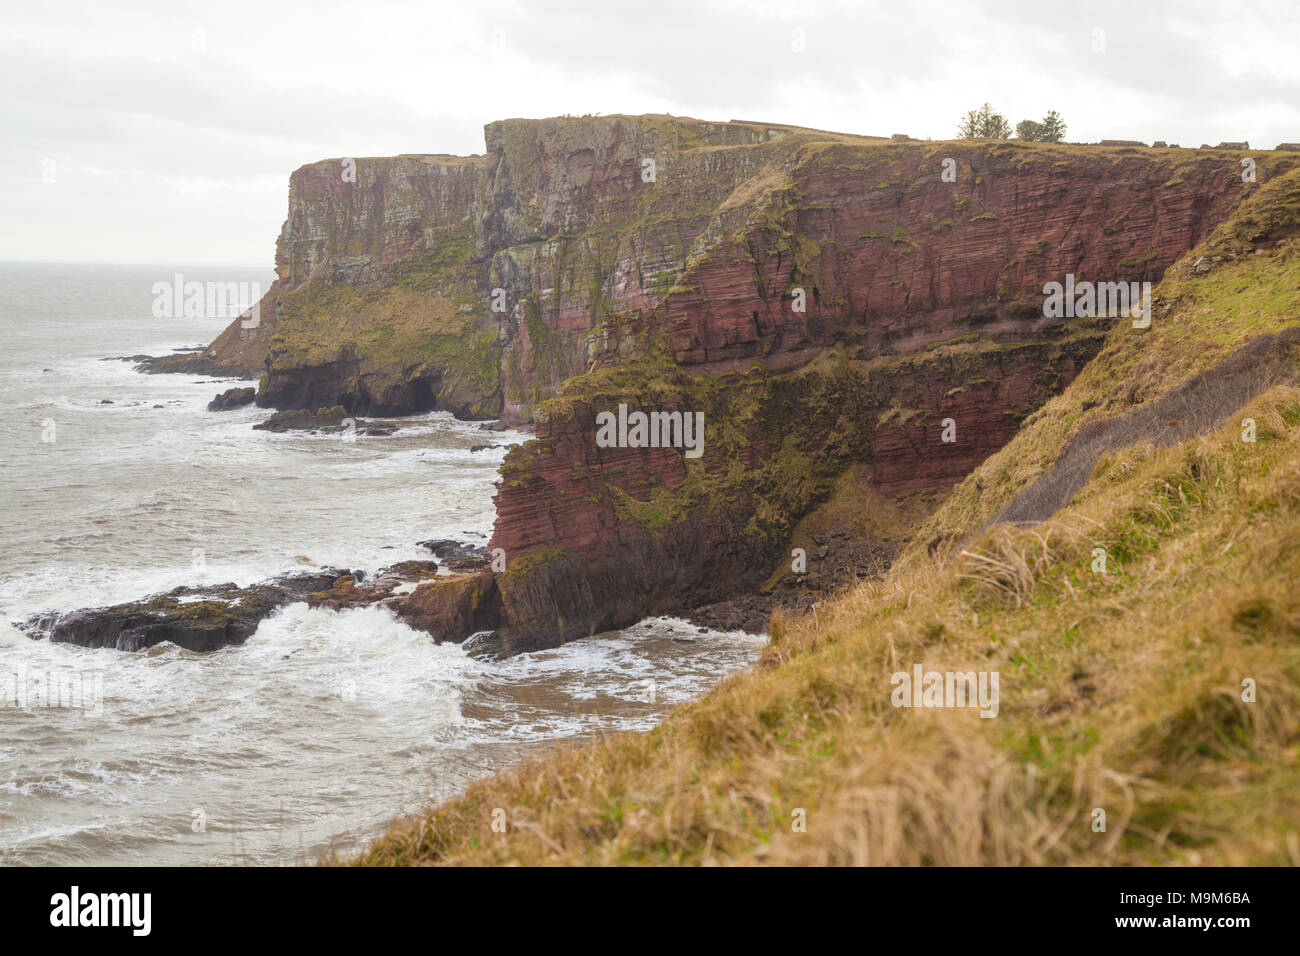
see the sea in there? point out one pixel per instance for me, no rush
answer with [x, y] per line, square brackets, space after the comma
[325, 726]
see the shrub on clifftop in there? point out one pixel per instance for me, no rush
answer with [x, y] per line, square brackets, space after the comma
[984, 123]
[1050, 130]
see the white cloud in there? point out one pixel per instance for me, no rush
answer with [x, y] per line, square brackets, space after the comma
[175, 125]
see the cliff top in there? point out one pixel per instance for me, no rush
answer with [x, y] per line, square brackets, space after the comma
[664, 131]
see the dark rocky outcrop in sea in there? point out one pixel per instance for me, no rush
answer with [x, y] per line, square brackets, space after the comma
[187, 361]
[203, 618]
[325, 420]
[458, 555]
[232, 398]
[446, 607]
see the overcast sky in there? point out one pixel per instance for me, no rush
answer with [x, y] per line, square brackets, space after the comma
[165, 132]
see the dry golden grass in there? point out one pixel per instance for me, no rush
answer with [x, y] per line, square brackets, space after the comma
[1119, 690]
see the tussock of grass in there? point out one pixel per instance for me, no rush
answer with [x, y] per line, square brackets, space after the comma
[1120, 691]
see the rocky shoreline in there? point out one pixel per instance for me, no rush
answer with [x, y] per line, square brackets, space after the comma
[203, 618]
[459, 596]
[452, 599]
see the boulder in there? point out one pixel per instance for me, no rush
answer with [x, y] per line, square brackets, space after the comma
[232, 398]
[452, 608]
[196, 618]
[303, 419]
[459, 555]
[348, 591]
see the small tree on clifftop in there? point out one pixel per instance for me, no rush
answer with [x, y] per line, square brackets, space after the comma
[1053, 128]
[984, 123]
[1030, 131]
[1050, 130]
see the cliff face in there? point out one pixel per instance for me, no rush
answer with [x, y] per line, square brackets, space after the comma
[601, 537]
[826, 300]
[480, 284]
[587, 242]
[879, 241]
[376, 302]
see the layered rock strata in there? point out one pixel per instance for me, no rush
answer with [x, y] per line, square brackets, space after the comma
[828, 301]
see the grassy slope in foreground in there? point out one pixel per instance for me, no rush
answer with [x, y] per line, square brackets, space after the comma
[1120, 691]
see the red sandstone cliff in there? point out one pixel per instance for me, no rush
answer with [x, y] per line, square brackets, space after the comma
[658, 261]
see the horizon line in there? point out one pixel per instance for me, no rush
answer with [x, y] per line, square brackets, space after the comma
[135, 262]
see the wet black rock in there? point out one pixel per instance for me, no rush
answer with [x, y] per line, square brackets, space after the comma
[187, 361]
[441, 547]
[232, 398]
[458, 555]
[484, 645]
[196, 618]
[749, 613]
[304, 418]
[334, 420]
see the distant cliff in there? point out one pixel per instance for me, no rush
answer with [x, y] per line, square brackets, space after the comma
[826, 300]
